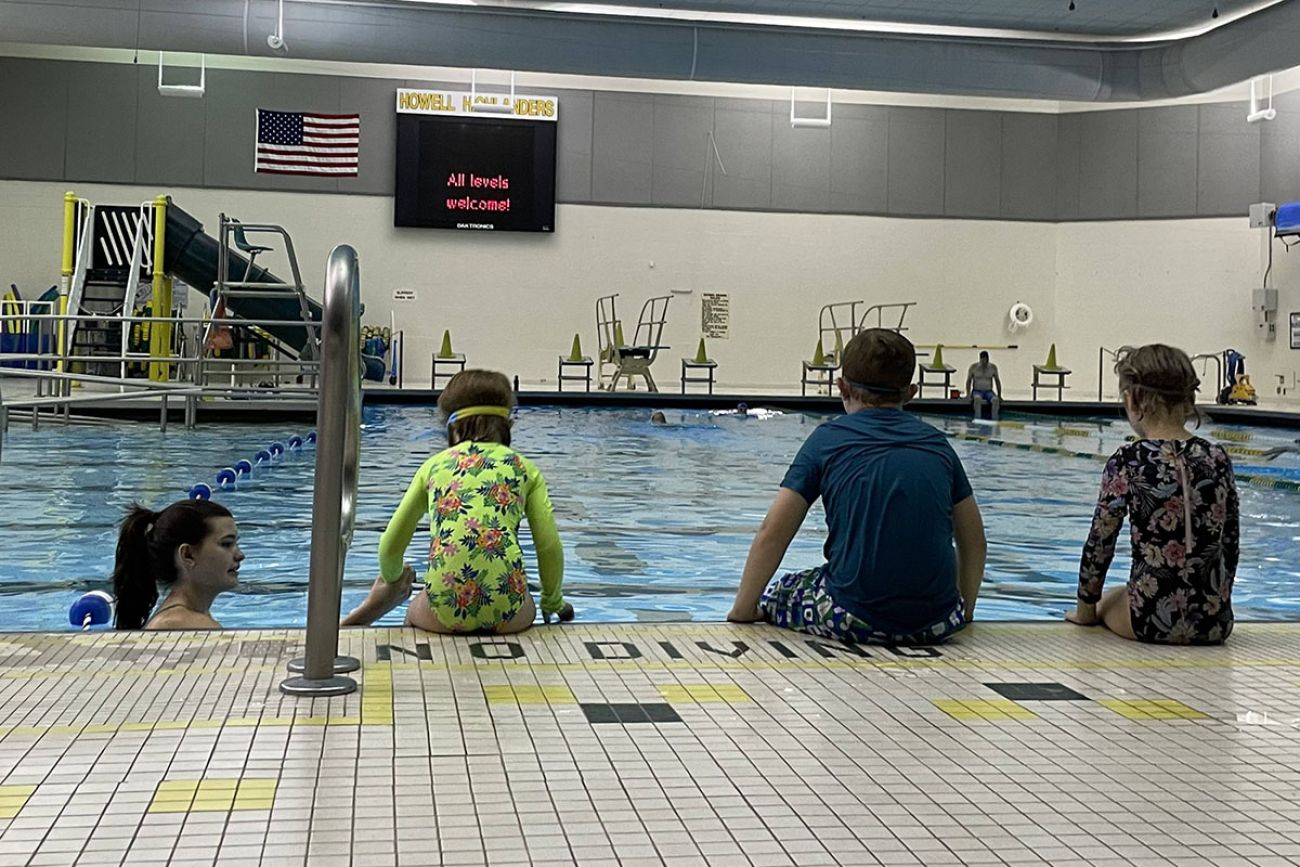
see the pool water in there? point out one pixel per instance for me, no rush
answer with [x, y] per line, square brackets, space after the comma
[655, 520]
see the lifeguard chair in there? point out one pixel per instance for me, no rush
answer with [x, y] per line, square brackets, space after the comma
[632, 359]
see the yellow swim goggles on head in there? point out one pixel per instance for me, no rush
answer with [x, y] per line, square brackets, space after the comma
[470, 411]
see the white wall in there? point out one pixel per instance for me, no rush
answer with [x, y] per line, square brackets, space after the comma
[513, 302]
[1184, 282]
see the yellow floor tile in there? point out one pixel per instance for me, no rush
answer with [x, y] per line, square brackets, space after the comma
[983, 709]
[214, 795]
[703, 692]
[13, 799]
[523, 694]
[1152, 709]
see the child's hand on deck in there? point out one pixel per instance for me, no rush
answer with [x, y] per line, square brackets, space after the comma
[744, 614]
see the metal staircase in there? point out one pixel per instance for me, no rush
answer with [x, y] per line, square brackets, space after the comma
[113, 257]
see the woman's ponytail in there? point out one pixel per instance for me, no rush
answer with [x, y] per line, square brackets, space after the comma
[134, 582]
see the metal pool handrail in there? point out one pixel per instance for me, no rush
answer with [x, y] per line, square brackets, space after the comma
[1219, 381]
[338, 453]
[1102, 352]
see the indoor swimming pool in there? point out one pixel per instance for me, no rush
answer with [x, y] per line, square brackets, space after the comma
[655, 520]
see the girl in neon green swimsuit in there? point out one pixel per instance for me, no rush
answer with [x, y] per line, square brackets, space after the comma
[476, 493]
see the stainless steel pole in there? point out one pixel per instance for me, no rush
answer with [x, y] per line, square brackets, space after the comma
[338, 423]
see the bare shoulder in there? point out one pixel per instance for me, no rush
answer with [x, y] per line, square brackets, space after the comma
[181, 618]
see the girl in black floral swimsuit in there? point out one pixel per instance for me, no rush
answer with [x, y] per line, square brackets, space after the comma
[1180, 496]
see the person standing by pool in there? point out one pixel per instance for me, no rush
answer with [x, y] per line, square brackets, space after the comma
[896, 498]
[1180, 496]
[191, 548]
[476, 493]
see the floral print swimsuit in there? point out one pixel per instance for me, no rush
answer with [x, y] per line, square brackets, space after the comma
[1181, 500]
[476, 495]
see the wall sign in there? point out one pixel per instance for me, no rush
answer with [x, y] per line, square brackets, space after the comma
[1295, 330]
[403, 294]
[715, 315]
[529, 107]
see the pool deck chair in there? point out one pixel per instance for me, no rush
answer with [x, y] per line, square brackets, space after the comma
[455, 361]
[936, 367]
[701, 368]
[818, 375]
[445, 357]
[575, 359]
[636, 358]
[1051, 368]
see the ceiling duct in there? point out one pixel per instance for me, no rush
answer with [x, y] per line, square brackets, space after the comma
[524, 36]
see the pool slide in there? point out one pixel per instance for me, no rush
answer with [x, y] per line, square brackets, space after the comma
[191, 254]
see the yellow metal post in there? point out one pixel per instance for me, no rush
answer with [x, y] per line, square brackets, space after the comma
[160, 333]
[65, 270]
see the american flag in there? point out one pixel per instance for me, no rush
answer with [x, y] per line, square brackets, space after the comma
[297, 143]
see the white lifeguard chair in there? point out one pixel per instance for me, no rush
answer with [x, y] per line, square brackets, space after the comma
[626, 359]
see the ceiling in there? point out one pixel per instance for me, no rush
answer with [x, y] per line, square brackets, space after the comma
[1103, 19]
[1112, 51]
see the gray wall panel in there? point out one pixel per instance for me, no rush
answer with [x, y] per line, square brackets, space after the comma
[33, 135]
[1167, 161]
[1028, 166]
[101, 123]
[743, 129]
[105, 122]
[1108, 165]
[859, 159]
[573, 146]
[374, 99]
[1229, 154]
[622, 148]
[681, 149]
[801, 166]
[1069, 135]
[916, 146]
[1279, 155]
[972, 175]
[230, 132]
[169, 135]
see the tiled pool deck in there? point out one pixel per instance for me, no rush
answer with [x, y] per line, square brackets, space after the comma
[652, 744]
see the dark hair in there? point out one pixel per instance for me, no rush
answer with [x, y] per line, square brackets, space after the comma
[984, 354]
[878, 366]
[1160, 379]
[477, 388]
[146, 553]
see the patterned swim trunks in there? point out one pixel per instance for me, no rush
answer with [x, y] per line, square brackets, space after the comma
[802, 602]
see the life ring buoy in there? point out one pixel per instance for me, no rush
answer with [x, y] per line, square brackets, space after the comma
[1021, 316]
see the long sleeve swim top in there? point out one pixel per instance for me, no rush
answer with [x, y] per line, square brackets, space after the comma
[476, 496]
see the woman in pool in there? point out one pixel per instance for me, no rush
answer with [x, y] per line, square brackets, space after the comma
[191, 548]
[476, 493]
[1180, 497]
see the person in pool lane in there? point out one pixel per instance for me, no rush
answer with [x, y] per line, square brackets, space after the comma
[191, 548]
[476, 493]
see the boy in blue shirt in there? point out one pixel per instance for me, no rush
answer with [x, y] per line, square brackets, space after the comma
[896, 499]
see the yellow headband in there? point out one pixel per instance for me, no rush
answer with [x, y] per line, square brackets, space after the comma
[467, 412]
